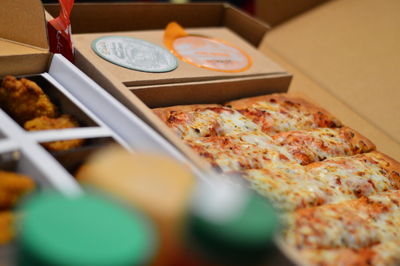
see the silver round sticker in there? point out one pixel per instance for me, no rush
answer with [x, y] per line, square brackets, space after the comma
[134, 54]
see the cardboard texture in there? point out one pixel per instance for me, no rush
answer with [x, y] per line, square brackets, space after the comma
[23, 22]
[96, 17]
[275, 12]
[220, 21]
[337, 50]
[23, 34]
[185, 72]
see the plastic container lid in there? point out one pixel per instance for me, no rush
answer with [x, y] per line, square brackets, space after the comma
[233, 230]
[83, 230]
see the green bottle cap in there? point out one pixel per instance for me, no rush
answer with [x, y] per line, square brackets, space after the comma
[82, 230]
[234, 229]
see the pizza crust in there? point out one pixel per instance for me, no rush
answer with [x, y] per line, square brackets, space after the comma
[355, 139]
[285, 99]
[392, 166]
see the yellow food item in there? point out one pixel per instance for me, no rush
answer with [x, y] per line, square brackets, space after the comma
[47, 123]
[12, 187]
[6, 227]
[24, 100]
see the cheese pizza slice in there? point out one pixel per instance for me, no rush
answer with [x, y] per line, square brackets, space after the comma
[356, 176]
[192, 121]
[240, 151]
[291, 186]
[315, 145]
[287, 187]
[350, 224]
[281, 112]
[386, 253]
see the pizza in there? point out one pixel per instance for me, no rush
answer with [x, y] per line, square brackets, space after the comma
[254, 150]
[338, 197]
[290, 187]
[353, 224]
[287, 187]
[315, 145]
[205, 121]
[240, 152]
[359, 175]
[280, 112]
[387, 253]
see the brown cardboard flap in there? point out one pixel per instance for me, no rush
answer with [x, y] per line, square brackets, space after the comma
[13, 48]
[24, 64]
[23, 21]
[114, 17]
[351, 50]
[275, 12]
[210, 91]
[185, 72]
[240, 23]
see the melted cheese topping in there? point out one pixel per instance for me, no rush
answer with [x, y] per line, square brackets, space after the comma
[290, 186]
[354, 224]
[242, 151]
[210, 122]
[286, 187]
[387, 253]
[274, 118]
[351, 177]
[314, 145]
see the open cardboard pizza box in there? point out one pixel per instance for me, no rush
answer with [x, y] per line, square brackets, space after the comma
[345, 56]
[338, 71]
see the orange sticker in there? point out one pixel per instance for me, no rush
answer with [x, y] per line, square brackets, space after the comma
[205, 52]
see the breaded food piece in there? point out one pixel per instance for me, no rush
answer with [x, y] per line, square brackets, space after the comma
[47, 123]
[6, 227]
[12, 187]
[24, 100]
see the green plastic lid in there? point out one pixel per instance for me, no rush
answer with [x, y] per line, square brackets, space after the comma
[83, 230]
[237, 230]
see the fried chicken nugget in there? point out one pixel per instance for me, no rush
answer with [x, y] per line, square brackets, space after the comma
[24, 100]
[12, 187]
[6, 227]
[47, 123]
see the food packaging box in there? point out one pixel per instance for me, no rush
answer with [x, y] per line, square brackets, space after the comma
[343, 55]
[341, 59]
[102, 119]
[187, 84]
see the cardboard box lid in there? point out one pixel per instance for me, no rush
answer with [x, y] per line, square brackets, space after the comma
[25, 33]
[350, 49]
[147, 22]
[185, 72]
[23, 36]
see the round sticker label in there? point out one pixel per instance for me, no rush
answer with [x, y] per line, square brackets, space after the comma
[134, 54]
[211, 54]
